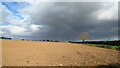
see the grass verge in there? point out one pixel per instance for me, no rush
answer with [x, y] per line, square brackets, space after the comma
[117, 47]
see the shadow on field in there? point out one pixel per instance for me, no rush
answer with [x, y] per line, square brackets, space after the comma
[115, 65]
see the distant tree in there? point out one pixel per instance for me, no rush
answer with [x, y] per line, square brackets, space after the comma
[2, 38]
[51, 40]
[47, 40]
[22, 39]
[9, 38]
[56, 41]
[84, 36]
[69, 41]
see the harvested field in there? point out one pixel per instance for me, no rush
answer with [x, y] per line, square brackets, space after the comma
[38, 53]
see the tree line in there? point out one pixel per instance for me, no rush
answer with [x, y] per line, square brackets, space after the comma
[43, 40]
[5, 38]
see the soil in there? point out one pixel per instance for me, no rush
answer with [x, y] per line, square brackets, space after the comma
[38, 53]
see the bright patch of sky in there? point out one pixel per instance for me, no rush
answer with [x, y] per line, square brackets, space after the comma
[13, 17]
[14, 7]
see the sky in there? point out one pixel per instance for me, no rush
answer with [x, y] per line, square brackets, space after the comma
[59, 20]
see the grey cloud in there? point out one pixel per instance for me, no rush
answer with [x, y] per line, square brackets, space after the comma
[68, 19]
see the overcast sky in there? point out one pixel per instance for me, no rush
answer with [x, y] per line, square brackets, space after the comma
[59, 20]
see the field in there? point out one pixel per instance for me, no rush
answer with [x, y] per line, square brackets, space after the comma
[38, 53]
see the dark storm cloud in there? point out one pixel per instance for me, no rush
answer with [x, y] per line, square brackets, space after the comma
[119, 20]
[68, 20]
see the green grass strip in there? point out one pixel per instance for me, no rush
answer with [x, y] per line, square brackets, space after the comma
[105, 46]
